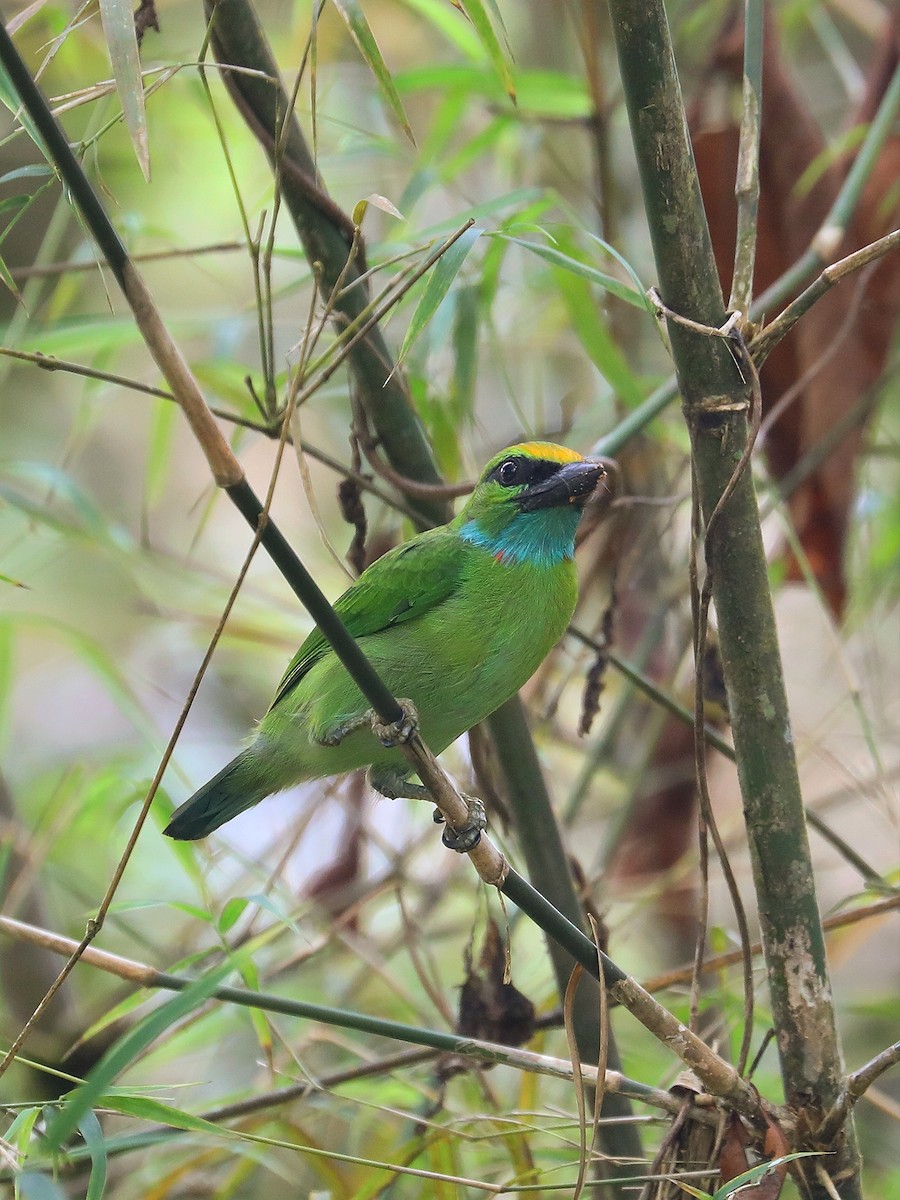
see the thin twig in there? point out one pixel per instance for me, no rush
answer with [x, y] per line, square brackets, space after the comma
[716, 741]
[855, 1087]
[68, 268]
[149, 977]
[765, 342]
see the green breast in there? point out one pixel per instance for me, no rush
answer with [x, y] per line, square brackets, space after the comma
[457, 662]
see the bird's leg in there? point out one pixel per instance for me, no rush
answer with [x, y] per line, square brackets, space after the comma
[389, 735]
[392, 782]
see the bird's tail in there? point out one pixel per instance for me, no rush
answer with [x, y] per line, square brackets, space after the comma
[236, 787]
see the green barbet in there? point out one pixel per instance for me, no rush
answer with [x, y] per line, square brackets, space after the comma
[456, 619]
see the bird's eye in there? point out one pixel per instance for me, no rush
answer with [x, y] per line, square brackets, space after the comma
[508, 472]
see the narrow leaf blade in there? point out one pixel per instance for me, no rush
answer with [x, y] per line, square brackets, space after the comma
[360, 31]
[445, 271]
[481, 22]
[121, 41]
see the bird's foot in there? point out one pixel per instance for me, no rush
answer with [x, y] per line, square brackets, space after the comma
[390, 736]
[336, 734]
[468, 836]
[392, 783]
[396, 733]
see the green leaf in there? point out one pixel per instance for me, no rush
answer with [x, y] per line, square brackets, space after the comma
[10, 97]
[121, 41]
[8, 281]
[231, 913]
[261, 900]
[35, 1186]
[362, 35]
[123, 1052]
[481, 23]
[595, 336]
[159, 451]
[65, 506]
[614, 286]
[733, 1186]
[466, 320]
[13, 203]
[449, 77]
[553, 94]
[146, 1109]
[19, 1132]
[448, 22]
[31, 171]
[626, 267]
[439, 281]
[89, 1128]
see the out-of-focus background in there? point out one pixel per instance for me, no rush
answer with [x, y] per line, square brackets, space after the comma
[117, 554]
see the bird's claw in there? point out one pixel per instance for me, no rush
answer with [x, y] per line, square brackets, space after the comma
[468, 836]
[397, 733]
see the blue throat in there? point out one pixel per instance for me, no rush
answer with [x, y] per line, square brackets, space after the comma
[543, 539]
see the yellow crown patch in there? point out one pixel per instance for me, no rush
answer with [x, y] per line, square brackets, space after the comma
[549, 451]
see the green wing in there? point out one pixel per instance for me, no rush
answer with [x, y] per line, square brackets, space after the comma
[400, 586]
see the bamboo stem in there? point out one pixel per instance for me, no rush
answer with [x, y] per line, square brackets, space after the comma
[716, 402]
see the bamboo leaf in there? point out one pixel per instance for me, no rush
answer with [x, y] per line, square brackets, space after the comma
[441, 16]
[595, 337]
[439, 281]
[31, 171]
[89, 1128]
[159, 451]
[124, 56]
[35, 1186]
[125, 1051]
[10, 97]
[146, 1109]
[733, 1186]
[481, 22]
[612, 285]
[8, 281]
[362, 35]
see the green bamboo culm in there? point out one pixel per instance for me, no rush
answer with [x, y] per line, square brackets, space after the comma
[716, 402]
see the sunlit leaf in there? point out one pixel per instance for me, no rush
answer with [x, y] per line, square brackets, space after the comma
[450, 23]
[231, 913]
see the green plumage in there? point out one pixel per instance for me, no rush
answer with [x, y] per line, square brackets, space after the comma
[456, 620]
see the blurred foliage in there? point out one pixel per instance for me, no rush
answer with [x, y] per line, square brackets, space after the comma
[117, 557]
